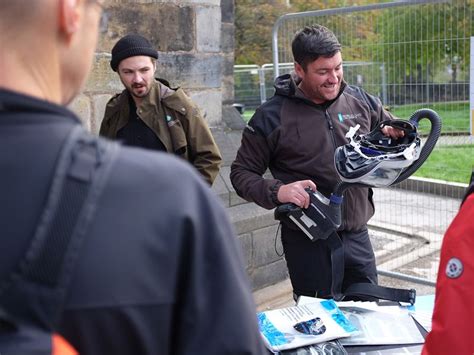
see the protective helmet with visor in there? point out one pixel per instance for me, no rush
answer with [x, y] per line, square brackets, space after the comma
[375, 159]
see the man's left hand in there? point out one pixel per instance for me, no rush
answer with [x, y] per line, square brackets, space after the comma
[394, 133]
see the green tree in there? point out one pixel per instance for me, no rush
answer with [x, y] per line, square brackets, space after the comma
[253, 30]
[420, 38]
[254, 21]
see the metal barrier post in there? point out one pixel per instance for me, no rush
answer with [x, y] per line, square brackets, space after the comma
[471, 91]
[261, 79]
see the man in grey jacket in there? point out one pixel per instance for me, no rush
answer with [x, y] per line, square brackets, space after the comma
[159, 270]
[295, 134]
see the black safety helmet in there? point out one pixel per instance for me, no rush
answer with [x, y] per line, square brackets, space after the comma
[375, 159]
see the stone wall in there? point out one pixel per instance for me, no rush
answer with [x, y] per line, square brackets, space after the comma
[195, 42]
[256, 228]
[227, 47]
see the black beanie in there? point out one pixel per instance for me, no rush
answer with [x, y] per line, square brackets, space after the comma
[131, 46]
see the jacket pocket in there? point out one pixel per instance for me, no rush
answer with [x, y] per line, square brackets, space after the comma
[178, 137]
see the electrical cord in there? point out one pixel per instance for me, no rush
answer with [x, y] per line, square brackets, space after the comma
[276, 236]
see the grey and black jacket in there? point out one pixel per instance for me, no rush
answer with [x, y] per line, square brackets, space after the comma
[296, 139]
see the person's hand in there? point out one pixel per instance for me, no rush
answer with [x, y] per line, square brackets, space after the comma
[295, 193]
[392, 132]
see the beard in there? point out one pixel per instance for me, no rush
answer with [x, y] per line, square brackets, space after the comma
[139, 90]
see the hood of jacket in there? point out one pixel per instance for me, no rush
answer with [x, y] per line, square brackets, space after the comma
[287, 85]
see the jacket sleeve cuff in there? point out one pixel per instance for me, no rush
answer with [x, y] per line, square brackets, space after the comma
[274, 192]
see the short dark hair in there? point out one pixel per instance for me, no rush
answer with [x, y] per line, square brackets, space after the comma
[313, 42]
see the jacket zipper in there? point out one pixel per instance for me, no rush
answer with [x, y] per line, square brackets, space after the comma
[331, 132]
[331, 129]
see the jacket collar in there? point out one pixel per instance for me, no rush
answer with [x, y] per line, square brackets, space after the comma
[159, 92]
[153, 98]
[174, 99]
[287, 85]
[12, 101]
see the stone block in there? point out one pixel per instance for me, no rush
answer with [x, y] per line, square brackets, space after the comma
[245, 241]
[168, 26]
[208, 23]
[236, 138]
[264, 246]
[227, 147]
[249, 217]
[232, 118]
[220, 189]
[227, 11]
[234, 199]
[98, 103]
[432, 186]
[102, 78]
[229, 143]
[210, 103]
[81, 106]
[227, 39]
[191, 71]
[227, 89]
[268, 274]
[228, 65]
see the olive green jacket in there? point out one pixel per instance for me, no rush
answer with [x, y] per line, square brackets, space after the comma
[175, 120]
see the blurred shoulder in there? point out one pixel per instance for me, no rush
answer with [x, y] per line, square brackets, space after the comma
[155, 173]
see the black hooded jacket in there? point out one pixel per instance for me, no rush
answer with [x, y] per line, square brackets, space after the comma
[296, 139]
[159, 271]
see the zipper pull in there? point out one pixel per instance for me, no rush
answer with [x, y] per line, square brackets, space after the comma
[328, 118]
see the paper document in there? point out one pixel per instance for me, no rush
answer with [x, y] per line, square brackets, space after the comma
[380, 325]
[386, 350]
[422, 311]
[333, 347]
[298, 326]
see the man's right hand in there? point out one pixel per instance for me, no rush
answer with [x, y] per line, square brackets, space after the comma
[296, 193]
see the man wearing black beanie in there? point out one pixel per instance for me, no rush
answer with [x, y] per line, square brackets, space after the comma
[149, 114]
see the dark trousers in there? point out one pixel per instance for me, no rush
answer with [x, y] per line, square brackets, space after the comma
[309, 263]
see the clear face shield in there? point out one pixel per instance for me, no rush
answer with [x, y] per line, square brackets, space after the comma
[374, 159]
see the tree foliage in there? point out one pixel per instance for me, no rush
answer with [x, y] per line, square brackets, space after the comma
[253, 30]
[413, 42]
[426, 39]
[254, 20]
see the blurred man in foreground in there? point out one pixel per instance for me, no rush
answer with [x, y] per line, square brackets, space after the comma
[158, 269]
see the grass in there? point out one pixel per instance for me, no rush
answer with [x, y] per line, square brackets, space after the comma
[248, 115]
[454, 115]
[450, 163]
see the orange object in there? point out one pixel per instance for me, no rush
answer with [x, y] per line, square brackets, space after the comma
[62, 347]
